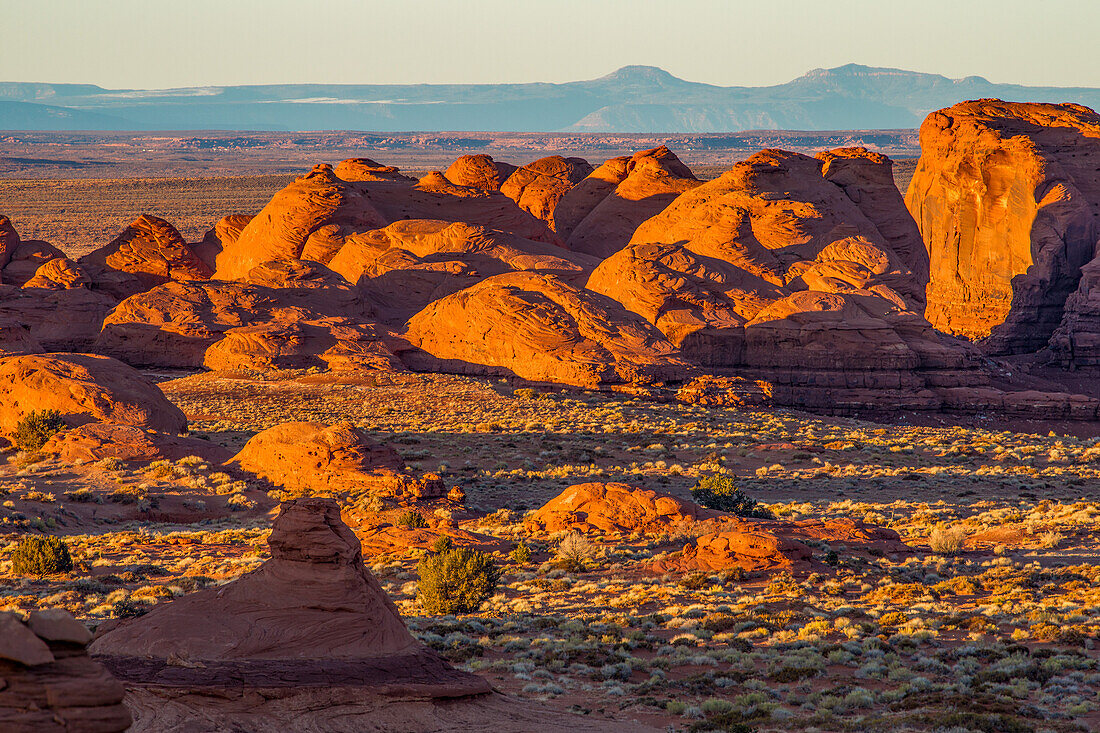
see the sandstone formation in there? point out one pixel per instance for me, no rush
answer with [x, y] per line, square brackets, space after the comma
[98, 440]
[538, 187]
[1007, 198]
[57, 319]
[48, 684]
[615, 507]
[775, 268]
[151, 249]
[311, 458]
[538, 327]
[314, 216]
[479, 171]
[83, 388]
[223, 234]
[650, 180]
[365, 169]
[60, 273]
[742, 548]
[402, 268]
[25, 259]
[309, 641]
[9, 240]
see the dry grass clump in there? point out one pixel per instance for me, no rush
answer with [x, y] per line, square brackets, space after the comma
[947, 541]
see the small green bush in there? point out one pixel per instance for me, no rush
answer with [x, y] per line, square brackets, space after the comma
[521, 554]
[32, 432]
[412, 519]
[40, 556]
[718, 492]
[456, 581]
[442, 544]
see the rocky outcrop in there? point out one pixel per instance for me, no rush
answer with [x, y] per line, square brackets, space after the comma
[1008, 201]
[479, 171]
[365, 169]
[60, 273]
[25, 259]
[9, 241]
[650, 180]
[98, 440]
[83, 388]
[775, 268]
[739, 548]
[409, 264]
[318, 213]
[153, 251]
[539, 327]
[223, 234]
[49, 684]
[538, 187]
[57, 319]
[617, 508]
[311, 458]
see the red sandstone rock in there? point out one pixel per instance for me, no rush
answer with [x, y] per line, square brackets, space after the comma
[538, 187]
[365, 169]
[83, 388]
[713, 391]
[49, 685]
[1008, 201]
[307, 458]
[25, 259]
[55, 319]
[60, 273]
[741, 548]
[9, 241]
[409, 264]
[540, 328]
[224, 233]
[615, 507]
[654, 178]
[98, 440]
[151, 249]
[479, 171]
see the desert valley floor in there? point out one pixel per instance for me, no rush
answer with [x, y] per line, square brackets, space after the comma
[997, 638]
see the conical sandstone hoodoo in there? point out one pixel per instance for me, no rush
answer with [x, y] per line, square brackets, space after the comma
[308, 641]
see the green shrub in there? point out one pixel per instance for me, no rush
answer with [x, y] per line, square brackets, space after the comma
[456, 581]
[718, 492]
[521, 554]
[32, 432]
[41, 556]
[442, 544]
[412, 519]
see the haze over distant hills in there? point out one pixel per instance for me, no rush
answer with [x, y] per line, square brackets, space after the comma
[632, 99]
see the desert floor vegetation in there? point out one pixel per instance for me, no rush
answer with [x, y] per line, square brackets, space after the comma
[989, 624]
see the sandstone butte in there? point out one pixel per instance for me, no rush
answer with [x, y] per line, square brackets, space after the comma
[50, 685]
[479, 171]
[1007, 198]
[309, 640]
[538, 187]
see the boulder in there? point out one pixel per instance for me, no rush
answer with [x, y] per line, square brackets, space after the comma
[365, 169]
[1008, 202]
[48, 684]
[25, 259]
[310, 458]
[539, 327]
[538, 187]
[224, 233]
[151, 250]
[83, 388]
[742, 548]
[98, 440]
[479, 171]
[60, 273]
[652, 180]
[615, 507]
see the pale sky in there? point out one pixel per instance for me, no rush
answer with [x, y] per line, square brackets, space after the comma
[159, 44]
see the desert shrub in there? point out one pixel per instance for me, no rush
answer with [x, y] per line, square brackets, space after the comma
[525, 392]
[442, 544]
[947, 541]
[575, 550]
[412, 519]
[32, 432]
[695, 581]
[81, 495]
[521, 554]
[719, 493]
[41, 556]
[456, 581]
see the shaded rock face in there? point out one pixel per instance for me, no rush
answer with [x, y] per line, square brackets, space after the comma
[312, 615]
[48, 684]
[25, 259]
[615, 507]
[98, 440]
[56, 319]
[9, 240]
[479, 171]
[650, 180]
[539, 327]
[409, 264]
[538, 187]
[309, 457]
[153, 251]
[83, 388]
[775, 266]
[224, 233]
[1007, 198]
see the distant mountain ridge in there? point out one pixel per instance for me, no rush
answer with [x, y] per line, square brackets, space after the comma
[632, 99]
